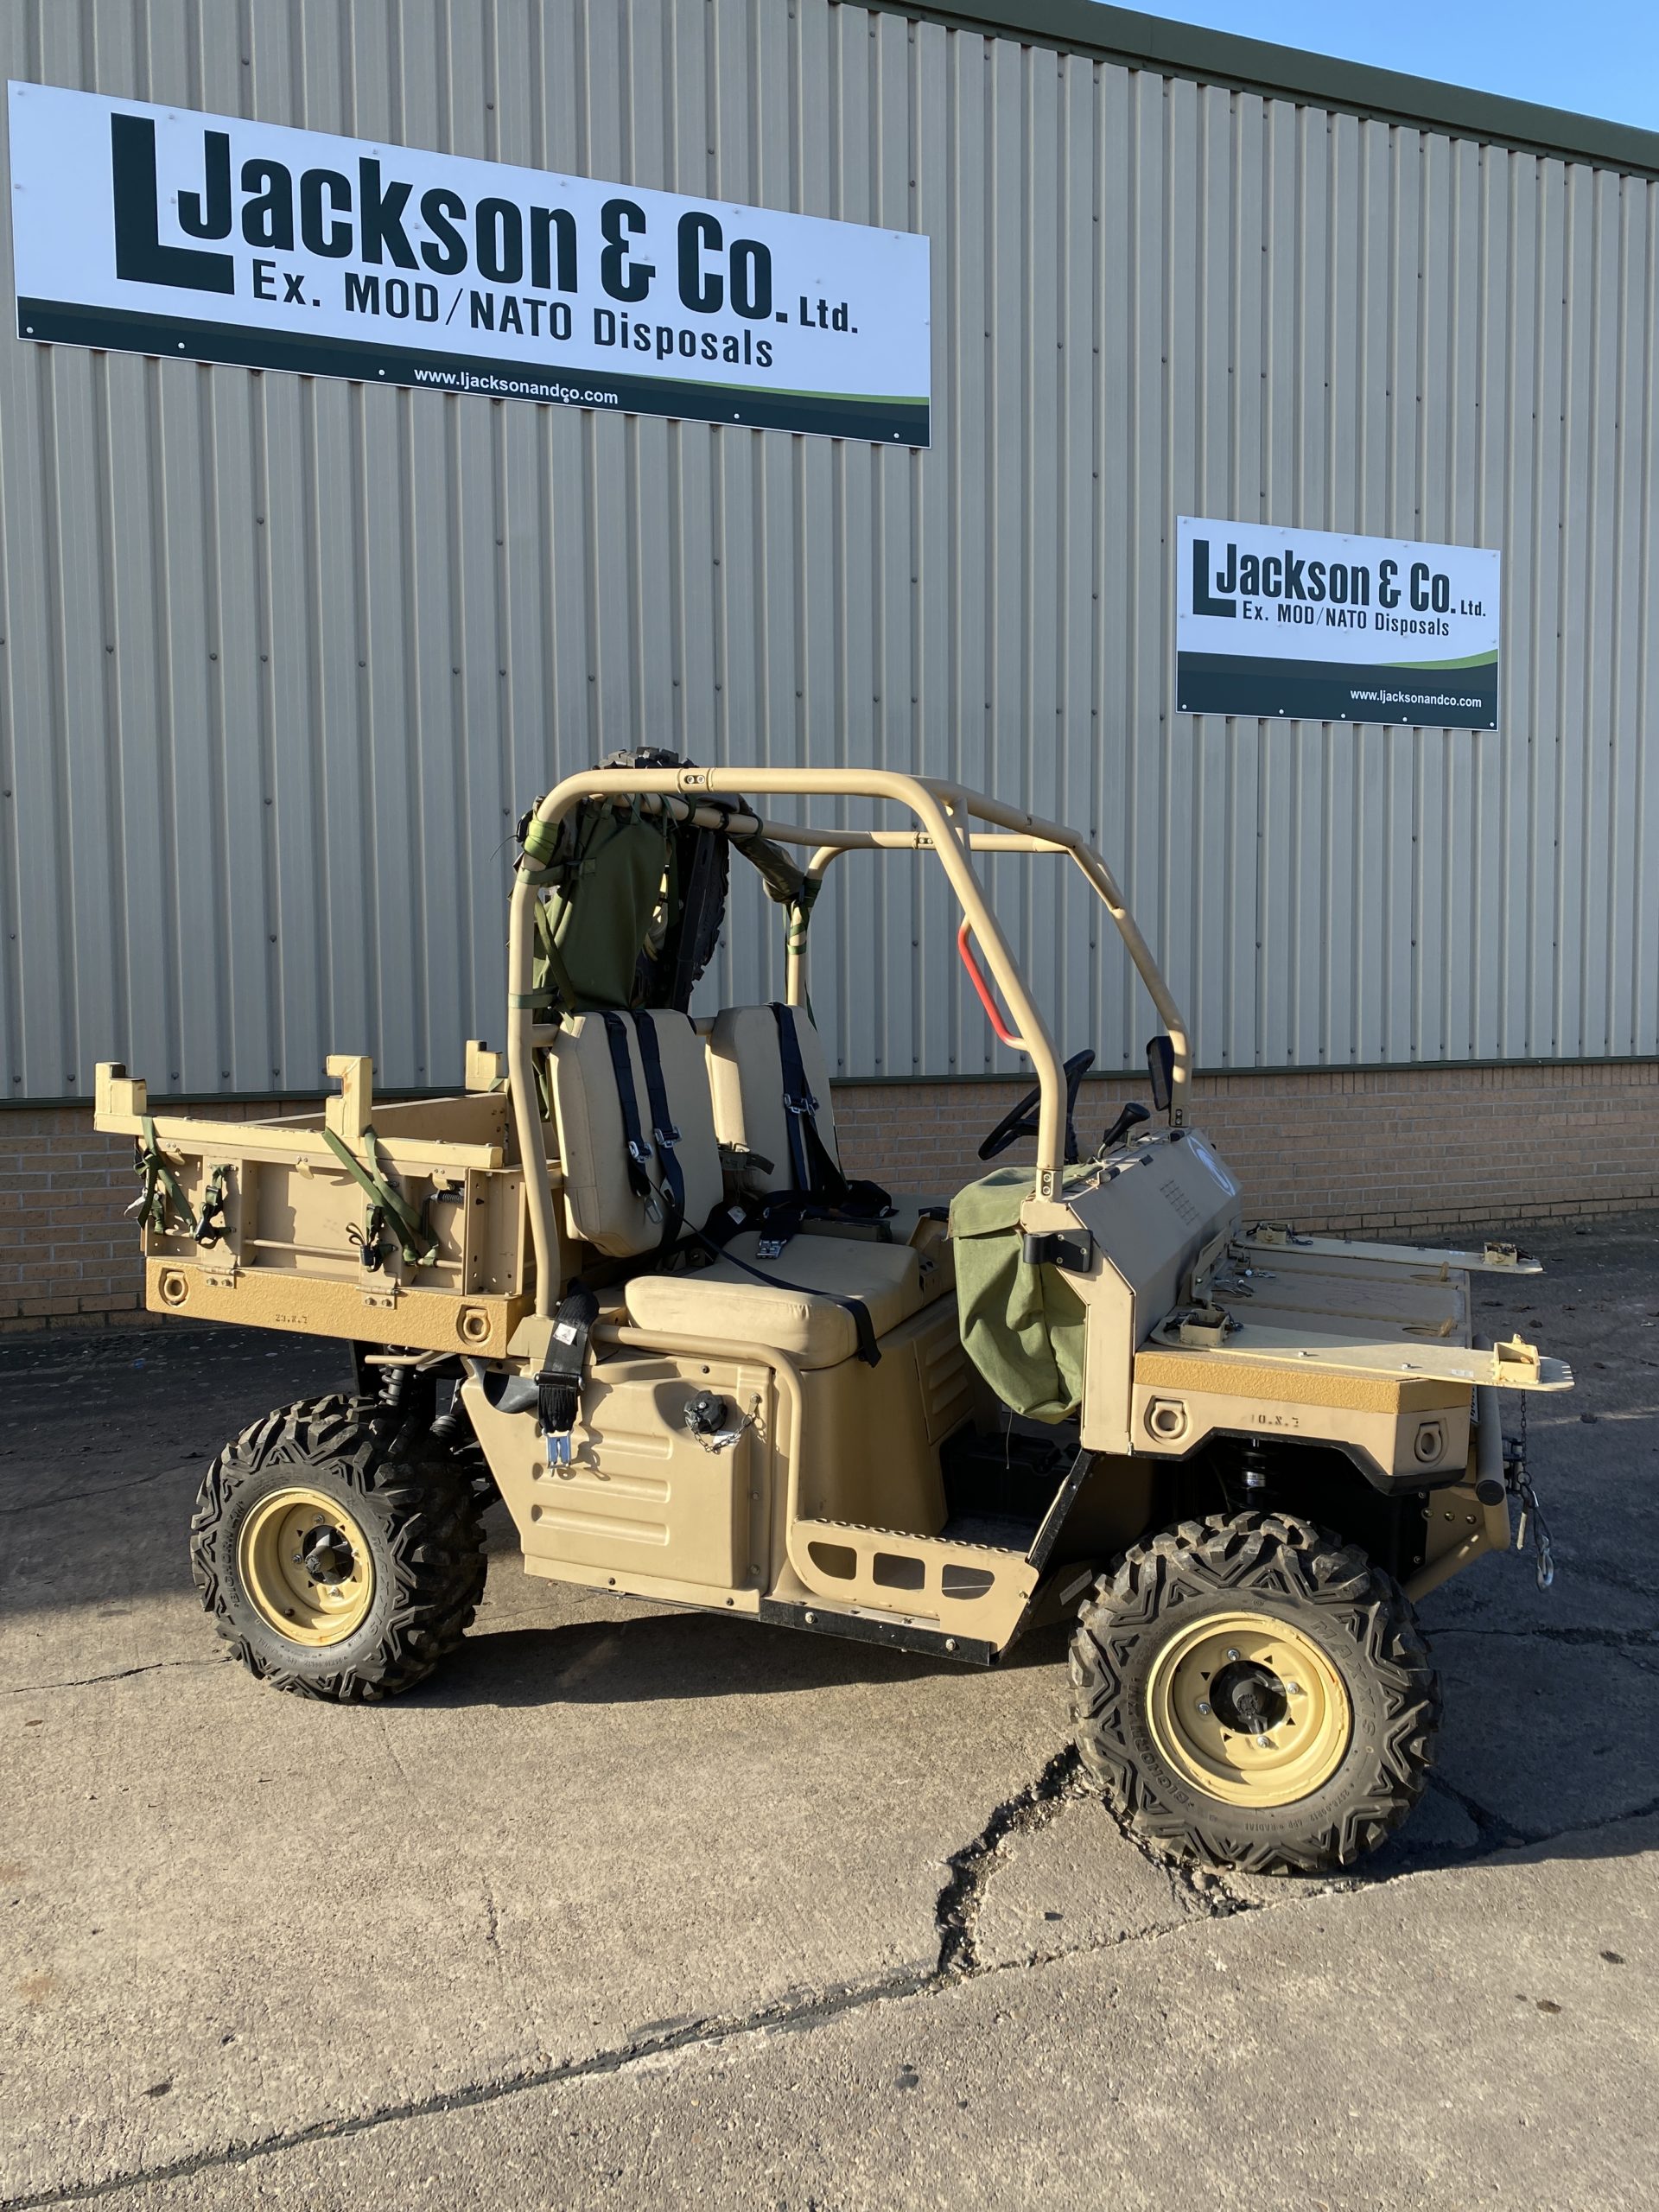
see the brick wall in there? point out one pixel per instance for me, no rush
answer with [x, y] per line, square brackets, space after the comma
[1409, 1149]
[68, 1255]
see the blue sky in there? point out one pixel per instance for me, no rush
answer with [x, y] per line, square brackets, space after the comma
[1600, 57]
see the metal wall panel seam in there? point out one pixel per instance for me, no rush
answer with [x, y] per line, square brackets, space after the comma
[1425, 334]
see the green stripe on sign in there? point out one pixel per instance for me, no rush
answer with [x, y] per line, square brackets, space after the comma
[1469, 660]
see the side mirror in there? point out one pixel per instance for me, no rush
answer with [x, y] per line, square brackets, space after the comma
[1161, 1067]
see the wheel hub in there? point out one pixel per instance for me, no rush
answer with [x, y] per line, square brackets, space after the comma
[1249, 1699]
[306, 1566]
[328, 1556]
[1249, 1709]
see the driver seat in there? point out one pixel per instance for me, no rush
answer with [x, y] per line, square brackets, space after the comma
[745, 1079]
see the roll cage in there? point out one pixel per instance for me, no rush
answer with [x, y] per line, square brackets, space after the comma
[943, 815]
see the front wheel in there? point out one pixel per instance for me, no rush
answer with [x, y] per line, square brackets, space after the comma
[338, 1549]
[1252, 1692]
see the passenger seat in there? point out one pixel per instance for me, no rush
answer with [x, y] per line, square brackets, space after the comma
[601, 1206]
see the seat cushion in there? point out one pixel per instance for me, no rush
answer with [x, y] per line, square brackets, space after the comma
[891, 1280]
[746, 1076]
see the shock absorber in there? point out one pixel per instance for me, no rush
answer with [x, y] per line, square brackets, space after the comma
[408, 1390]
[1254, 1464]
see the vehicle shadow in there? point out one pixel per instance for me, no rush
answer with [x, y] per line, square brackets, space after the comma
[655, 1656]
[1549, 1742]
[1537, 1761]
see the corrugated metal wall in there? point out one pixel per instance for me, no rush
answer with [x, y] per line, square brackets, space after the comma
[283, 660]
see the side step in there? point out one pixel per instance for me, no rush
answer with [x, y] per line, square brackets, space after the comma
[967, 1590]
[875, 1628]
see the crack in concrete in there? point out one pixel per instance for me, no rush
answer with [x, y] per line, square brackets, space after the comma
[1631, 1585]
[1494, 1833]
[120, 1674]
[956, 1914]
[1492, 1830]
[382, 1719]
[98, 1490]
[1611, 1639]
[785, 2016]
[1060, 1784]
[1207, 1890]
[1646, 1812]
[1202, 1889]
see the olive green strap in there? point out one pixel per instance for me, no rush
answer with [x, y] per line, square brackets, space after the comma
[541, 840]
[419, 1246]
[162, 1195]
[800, 913]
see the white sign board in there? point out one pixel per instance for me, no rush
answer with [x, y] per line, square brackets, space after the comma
[1309, 625]
[154, 230]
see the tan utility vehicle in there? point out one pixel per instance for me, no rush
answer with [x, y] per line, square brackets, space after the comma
[623, 1283]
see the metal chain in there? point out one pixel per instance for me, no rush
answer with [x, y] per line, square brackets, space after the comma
[1532, 1521]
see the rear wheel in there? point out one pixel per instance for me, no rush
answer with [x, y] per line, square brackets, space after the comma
[338, 1549]
[1253, 1691]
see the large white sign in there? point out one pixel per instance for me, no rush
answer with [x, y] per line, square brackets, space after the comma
[156, 230]
[1310, 624]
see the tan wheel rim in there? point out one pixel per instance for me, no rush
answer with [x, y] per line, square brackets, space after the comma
[306, 1565]
[1249, 1709]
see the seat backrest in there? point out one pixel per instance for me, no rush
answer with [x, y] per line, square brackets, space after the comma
[745, 1078]
[600, 1204]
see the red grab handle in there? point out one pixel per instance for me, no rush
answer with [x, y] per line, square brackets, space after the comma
[977, 978]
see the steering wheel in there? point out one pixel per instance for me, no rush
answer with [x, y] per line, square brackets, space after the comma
[1021, 1120]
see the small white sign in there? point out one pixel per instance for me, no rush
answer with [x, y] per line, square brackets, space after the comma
[156, 230]
[1313, 626]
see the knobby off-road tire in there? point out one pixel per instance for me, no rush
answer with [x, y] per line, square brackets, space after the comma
[1237, 1604]
[339, 1486]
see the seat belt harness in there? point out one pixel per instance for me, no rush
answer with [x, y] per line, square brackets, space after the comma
[558, 1387]
[822, 1191]
[815, 1172]
[665, 1135]
[638, 1152]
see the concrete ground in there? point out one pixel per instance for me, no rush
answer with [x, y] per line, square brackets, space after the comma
[640, 1908]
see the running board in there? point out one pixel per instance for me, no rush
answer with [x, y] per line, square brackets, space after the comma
[873, 1628]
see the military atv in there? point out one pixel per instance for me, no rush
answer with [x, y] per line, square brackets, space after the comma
[624, 1283]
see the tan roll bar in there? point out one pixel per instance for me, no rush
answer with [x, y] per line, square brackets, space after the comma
[943, 813]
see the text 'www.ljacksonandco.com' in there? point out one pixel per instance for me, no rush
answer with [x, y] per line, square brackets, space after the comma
[567, 395]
